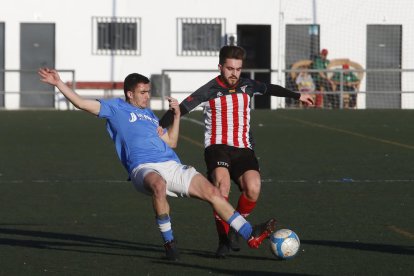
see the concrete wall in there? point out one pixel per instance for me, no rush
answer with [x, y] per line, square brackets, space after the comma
[343, 32]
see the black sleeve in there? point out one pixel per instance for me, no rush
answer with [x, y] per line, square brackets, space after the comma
[279, 91]
[201, 95]
[168, 117]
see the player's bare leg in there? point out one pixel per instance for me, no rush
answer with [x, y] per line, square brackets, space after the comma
[201, 188]
[221, 179]
[250, 184]
[157, 186]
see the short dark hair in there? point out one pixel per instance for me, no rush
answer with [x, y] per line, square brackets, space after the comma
[231, 51]
[132, 80]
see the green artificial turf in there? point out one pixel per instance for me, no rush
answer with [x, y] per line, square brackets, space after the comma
[343, 180]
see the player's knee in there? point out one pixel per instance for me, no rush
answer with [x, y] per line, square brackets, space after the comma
[223, 182]
[221, 177]
[158, 189]
[252, 191]
[224, 188]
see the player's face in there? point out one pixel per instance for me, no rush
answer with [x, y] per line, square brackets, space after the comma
[140, 96]
[230, 71]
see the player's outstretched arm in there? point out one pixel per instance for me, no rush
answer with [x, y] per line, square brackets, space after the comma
[279, 91]
[171, 136]
[51, 76]
[188, 104]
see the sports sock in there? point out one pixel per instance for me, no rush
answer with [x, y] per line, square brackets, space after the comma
[221, 225]
[245, 206]
[241, 225]
[164, 224]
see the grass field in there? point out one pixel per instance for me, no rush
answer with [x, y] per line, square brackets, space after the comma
[342, 180]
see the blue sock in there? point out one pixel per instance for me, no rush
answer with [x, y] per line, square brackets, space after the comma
[164, 224]
[241, 225]
[246, 230]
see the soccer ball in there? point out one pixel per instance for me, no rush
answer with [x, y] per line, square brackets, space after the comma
[284, 243]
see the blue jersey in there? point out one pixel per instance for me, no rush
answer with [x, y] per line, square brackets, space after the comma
[134, 132]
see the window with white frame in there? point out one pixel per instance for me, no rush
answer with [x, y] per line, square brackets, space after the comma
[116, 35]
[200, 36]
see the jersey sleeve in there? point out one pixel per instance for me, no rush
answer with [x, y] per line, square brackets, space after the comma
[258, 87]
[107, 109]
[201, 95]
[273, 90]
[279, 91]
[168, 117]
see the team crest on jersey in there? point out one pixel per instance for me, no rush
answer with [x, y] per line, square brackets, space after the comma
[219, 94]
[243, 88]
[133, 117]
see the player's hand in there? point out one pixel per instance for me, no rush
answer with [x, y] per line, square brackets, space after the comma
[174, 105]
[49, 76]
[306, 99]
[160, 131]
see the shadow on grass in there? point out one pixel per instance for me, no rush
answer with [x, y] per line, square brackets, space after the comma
[230, 271]
[76, 242]
[73, 242]
[46, 240]
[384, 248]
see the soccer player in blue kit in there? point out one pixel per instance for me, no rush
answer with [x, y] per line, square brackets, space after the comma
[145, 150]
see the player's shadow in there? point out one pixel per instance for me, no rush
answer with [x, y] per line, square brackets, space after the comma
[47, 240]
[74, 243]
[385, 248]
[86, 244]
[231, 271]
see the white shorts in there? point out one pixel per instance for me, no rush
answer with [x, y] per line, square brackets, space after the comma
[177, 176]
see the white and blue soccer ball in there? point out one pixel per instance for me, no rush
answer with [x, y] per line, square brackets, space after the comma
[284, 243]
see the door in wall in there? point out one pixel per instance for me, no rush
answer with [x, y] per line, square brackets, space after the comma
[37, 49]
[384, 52]
[255, 39]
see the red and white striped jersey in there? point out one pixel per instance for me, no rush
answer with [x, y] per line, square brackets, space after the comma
[226, 111]
[227, 121]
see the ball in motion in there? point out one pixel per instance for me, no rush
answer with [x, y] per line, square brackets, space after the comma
[284, 243]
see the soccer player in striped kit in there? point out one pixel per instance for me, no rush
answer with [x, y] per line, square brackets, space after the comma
[229, 153]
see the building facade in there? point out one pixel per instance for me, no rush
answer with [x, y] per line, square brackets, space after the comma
[176, 43]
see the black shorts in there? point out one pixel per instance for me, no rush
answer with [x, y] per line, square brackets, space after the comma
[236, 160]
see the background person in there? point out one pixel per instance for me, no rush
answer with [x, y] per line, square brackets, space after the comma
[350, 84]
[305, 83]
[322, 82]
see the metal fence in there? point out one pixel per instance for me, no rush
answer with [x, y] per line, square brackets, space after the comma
[180, 83]
[22, 89]
[383, 94]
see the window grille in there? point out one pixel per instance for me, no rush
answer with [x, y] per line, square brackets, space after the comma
[200, 36]
[116, 35]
